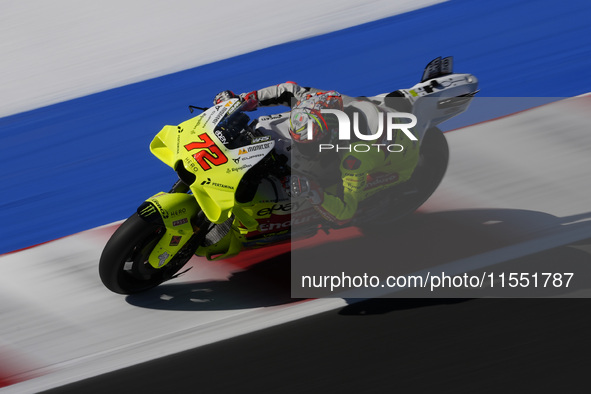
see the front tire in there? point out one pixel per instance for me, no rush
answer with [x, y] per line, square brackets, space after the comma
[124, 267]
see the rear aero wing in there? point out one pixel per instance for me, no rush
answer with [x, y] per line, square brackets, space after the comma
[438, 67]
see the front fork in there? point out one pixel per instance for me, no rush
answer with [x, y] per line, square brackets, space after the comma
[181, 216]
[176, 211]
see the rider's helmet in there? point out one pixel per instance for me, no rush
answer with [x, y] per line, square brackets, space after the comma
[308, 126]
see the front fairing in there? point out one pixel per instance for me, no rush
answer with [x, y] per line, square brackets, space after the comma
[197, 149]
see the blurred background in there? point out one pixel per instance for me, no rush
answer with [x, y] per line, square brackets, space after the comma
[85, 86]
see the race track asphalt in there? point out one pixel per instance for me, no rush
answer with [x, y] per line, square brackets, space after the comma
[389, 345]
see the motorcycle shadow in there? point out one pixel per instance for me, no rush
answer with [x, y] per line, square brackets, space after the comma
[260, 285]
[574, 257]
[431, 241]
[419, 241]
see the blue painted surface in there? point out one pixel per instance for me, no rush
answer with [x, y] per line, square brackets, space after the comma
[83, 163]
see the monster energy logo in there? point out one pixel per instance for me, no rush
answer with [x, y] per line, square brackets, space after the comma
[148, 210]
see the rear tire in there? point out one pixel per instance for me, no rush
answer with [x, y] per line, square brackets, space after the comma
[409, 196]
[434, 158]
[124, 267]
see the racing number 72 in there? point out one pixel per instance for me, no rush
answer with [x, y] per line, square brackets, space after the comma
[215, 157]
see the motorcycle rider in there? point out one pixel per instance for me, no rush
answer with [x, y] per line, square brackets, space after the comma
[361, 173]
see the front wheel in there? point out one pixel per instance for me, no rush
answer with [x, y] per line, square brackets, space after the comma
[124, 267]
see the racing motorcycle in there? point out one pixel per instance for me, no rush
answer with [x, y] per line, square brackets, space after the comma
[233, 187]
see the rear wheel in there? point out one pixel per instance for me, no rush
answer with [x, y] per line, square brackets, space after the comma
[124, 267]
[433, 161]
[409, 196]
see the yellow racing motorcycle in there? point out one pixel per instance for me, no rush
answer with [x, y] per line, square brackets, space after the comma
[233, 188]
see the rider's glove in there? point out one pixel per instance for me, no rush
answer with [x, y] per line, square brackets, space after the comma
[302, 187]
[224, 96]
[252, 100]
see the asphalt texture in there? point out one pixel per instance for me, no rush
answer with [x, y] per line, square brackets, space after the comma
[385, 345]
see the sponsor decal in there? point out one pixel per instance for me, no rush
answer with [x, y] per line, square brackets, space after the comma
[221, 137]
[177, 212]
[286, 224]
[242, 167]
[234, 106]
[147, 211]
[351, 163]
[222, 186]
[216, 184]
[163, 211]
[263, 138]
[254, 148]
[271, 117]
[162, 259]
[245, 158]
[217, 117]
[262, 146]
[198, 123]
[381, 180]
[253, 152]
[190, 164]
[176, 239]
[180, 222]
[281, 208]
